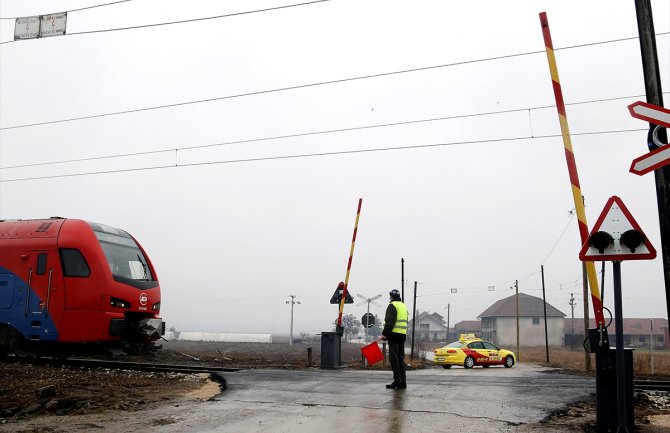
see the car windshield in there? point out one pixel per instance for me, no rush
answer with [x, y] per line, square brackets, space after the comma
[124, 257]
[455, 344]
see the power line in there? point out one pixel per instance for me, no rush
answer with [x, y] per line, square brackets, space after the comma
[572, 215]
[261, 92]
[70, 10]
[300, 86]
[312, 155]
[192, 20]
[311, 133]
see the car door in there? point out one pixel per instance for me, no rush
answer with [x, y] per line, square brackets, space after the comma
[492, 352]
[479, 353]
[44, 305]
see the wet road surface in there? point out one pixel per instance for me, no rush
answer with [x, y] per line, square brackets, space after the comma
[338, 400]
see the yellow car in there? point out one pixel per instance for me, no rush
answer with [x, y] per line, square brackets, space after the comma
[469, 351]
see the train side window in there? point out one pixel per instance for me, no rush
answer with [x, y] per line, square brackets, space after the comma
[41, 264]
[74, 263]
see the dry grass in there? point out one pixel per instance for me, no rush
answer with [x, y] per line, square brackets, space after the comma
[573, 359]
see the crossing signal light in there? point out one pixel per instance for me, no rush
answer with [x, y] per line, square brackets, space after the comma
[616, 237]
[632, 239]
[601, 241]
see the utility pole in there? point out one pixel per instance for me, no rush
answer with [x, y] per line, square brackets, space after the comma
[413, 322]
[402, 279]
[292, 302]
[572, 303]
[651, 344]
[652, 84]
[544, 302]
[448, 312]
[518, 351]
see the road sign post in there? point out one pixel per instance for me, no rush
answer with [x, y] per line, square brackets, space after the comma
[368, 320]
[616, 236]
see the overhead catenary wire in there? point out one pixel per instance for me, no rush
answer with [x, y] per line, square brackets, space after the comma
[312, 133]
[480, 289]
[310, 155]
[301, 86]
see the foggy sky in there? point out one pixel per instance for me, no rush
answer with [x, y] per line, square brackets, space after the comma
[470, 201]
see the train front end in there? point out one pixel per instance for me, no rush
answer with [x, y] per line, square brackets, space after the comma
[127, 291]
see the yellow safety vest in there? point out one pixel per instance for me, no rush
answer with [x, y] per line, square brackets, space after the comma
[401, 318]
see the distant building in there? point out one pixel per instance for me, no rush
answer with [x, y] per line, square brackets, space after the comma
[430, 327]
[640, 333]
[499, 322]
[466, 327]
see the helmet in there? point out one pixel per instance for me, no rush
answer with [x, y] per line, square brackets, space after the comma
[395, 295]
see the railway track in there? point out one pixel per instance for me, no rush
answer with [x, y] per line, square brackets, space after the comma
[651, 385]
[123, 365]
[638, 384]
[139, 366]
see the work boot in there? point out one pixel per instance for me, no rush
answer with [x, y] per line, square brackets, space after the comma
[403, 385]
[394, 385]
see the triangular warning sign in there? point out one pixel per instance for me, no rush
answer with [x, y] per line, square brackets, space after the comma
[616, 220]
[337, 297]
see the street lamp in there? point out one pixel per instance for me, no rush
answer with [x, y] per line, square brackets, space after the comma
[292, 302]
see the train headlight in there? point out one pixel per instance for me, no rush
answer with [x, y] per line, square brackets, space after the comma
[119, 303]
[157, 306]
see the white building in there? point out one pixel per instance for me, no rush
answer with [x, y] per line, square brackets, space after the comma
[430, 327]
[499, 322]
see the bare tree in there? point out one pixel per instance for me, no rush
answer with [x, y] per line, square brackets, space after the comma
[351, 326]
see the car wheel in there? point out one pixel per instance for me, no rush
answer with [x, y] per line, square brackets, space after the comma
[446, 366]
[509, 361]
[469, 362]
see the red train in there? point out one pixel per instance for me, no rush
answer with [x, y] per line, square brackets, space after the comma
[68, 286]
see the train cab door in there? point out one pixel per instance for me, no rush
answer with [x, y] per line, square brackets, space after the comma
[44, 306]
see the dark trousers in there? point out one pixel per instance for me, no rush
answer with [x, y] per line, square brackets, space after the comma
[397, 360]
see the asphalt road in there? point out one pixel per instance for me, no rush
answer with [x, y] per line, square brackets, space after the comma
[493, 399]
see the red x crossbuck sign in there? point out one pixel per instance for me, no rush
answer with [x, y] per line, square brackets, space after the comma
[661, 156]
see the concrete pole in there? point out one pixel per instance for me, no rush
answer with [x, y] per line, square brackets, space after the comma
[292, 302]
[544, 303]
[518, 350]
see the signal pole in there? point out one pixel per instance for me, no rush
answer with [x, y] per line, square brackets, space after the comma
[292, 302]
[544, 303]
[413, 323]
[572, 304]
[448, 311]
[518, 352]
[402, 279]
[652, 84]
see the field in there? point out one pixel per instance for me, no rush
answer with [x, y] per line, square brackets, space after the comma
[575, 360]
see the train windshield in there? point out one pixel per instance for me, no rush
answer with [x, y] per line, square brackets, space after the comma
[123, 255]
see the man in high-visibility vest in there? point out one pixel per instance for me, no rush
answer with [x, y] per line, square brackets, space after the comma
[395, 332]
